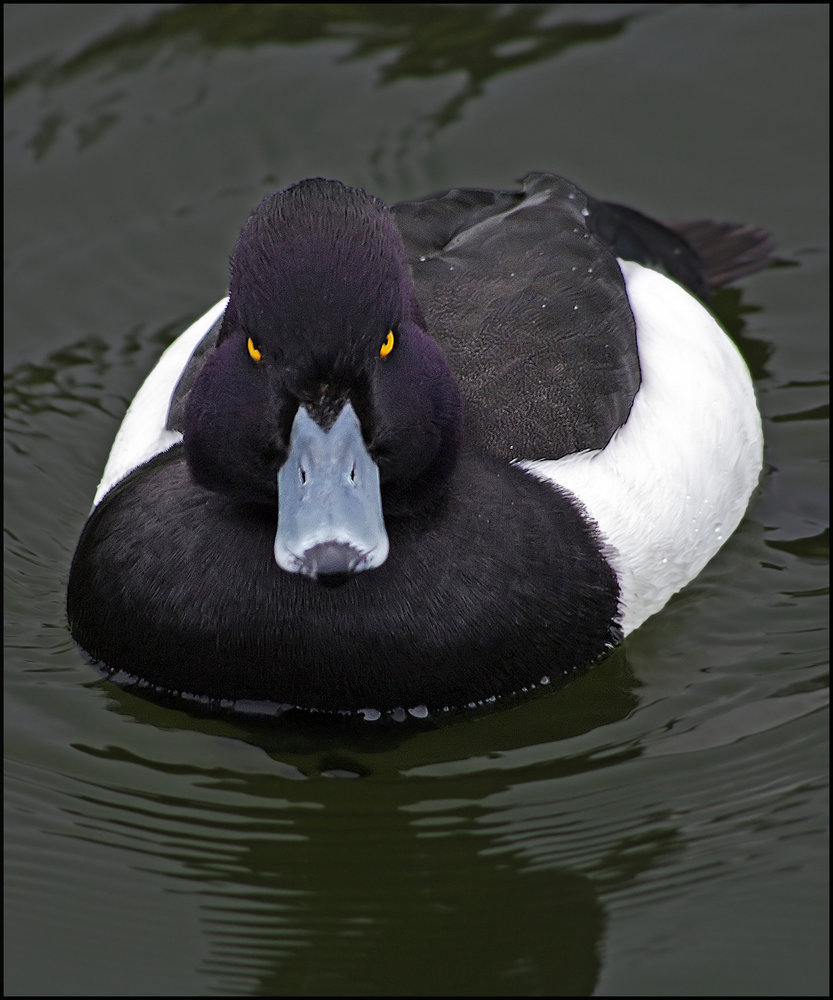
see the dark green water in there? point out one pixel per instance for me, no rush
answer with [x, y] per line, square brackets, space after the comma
[659, 826]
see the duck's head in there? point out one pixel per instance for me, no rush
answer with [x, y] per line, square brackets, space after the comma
[325, 401]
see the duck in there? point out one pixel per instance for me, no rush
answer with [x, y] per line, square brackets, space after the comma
[422, 457]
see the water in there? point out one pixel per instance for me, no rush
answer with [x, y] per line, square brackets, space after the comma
[659, 826]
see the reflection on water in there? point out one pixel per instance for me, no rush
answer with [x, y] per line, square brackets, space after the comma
[476, 859]
[307, 885]
[297, 898]
[478, 42]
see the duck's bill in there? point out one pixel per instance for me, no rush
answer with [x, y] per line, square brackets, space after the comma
[330, 521]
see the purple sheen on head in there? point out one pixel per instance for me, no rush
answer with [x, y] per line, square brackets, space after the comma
[318, 278]
[319, 265]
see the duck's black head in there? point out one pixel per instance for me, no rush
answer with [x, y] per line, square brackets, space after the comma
[325, 400]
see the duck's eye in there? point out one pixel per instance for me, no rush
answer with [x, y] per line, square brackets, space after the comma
[387, 347]
[254, 353]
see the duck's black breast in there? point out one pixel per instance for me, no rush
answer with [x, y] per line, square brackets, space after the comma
[501, 585]
[531, 310]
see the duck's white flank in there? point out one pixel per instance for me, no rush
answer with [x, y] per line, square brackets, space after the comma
[675, 480]
[142, 433]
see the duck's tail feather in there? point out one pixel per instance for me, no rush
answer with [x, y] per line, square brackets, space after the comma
[727, 250]
[701, 255]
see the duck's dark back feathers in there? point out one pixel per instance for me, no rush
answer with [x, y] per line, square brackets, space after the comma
[576, 389]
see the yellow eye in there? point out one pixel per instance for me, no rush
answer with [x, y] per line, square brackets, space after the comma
[254, 353]
[387, 347]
